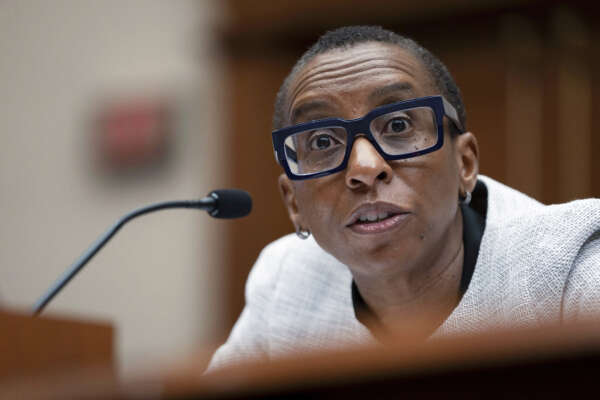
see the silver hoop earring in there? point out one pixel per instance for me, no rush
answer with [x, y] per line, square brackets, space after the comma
[302, 233]
[466, 199]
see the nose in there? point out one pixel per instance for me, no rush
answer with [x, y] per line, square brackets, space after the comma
[366, 166]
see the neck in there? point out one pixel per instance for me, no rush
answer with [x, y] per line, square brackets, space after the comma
[425, 298]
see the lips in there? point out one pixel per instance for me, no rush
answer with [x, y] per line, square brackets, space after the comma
[376, 217]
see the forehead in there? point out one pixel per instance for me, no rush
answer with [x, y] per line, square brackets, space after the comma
[359, 76]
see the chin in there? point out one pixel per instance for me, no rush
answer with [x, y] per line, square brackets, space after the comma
[376, 256]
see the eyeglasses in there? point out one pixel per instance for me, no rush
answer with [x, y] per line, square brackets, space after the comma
[400, 130]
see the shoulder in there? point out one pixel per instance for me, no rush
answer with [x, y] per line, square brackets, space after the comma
[512, 211]
[292, 264]
[582, 289]
[287, 287]
[531, 254]
[291, 252]
[293, 249]
[505, 202]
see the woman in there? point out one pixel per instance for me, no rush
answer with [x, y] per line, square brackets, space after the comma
[392, 221]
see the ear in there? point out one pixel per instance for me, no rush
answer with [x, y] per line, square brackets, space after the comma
[467, 153]
[288, 195]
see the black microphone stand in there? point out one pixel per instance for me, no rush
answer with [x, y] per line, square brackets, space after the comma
[207, 203]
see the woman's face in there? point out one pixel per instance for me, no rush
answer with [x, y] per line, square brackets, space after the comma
[410, 206]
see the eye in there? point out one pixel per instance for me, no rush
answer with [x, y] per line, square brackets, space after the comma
[322, 140]
[397, 125]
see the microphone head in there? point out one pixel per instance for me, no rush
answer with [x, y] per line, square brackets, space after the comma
[230, 203]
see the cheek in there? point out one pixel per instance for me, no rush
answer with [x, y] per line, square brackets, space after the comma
[442, 192]
[317, 201]
[433, 183]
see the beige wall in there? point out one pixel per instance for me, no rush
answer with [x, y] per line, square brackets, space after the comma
[158, 280]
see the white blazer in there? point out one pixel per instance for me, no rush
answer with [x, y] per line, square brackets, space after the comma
[536, 263]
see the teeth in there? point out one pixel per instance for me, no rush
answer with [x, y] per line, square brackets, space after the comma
[373, 216]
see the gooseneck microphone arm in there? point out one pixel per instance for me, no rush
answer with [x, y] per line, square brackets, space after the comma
[228, 203]
[102, 240]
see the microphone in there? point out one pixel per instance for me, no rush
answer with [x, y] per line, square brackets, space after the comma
[228, 203]
[224, 203]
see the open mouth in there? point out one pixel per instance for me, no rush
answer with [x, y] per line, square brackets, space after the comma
[374, 216]
[377, 218]
[382, 223]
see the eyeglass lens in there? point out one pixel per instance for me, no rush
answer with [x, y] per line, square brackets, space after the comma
[397, 133]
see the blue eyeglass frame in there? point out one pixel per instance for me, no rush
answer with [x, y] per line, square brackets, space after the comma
[361, 127]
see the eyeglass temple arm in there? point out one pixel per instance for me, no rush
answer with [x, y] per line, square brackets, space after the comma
[451, 113]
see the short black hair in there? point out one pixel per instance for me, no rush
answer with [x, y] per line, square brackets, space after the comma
[348, 36]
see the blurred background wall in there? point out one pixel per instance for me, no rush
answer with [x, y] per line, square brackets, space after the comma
[62, 65]
[173, 281]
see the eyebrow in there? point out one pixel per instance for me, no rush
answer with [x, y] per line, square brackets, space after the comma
[400, 89]
[305, 108]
